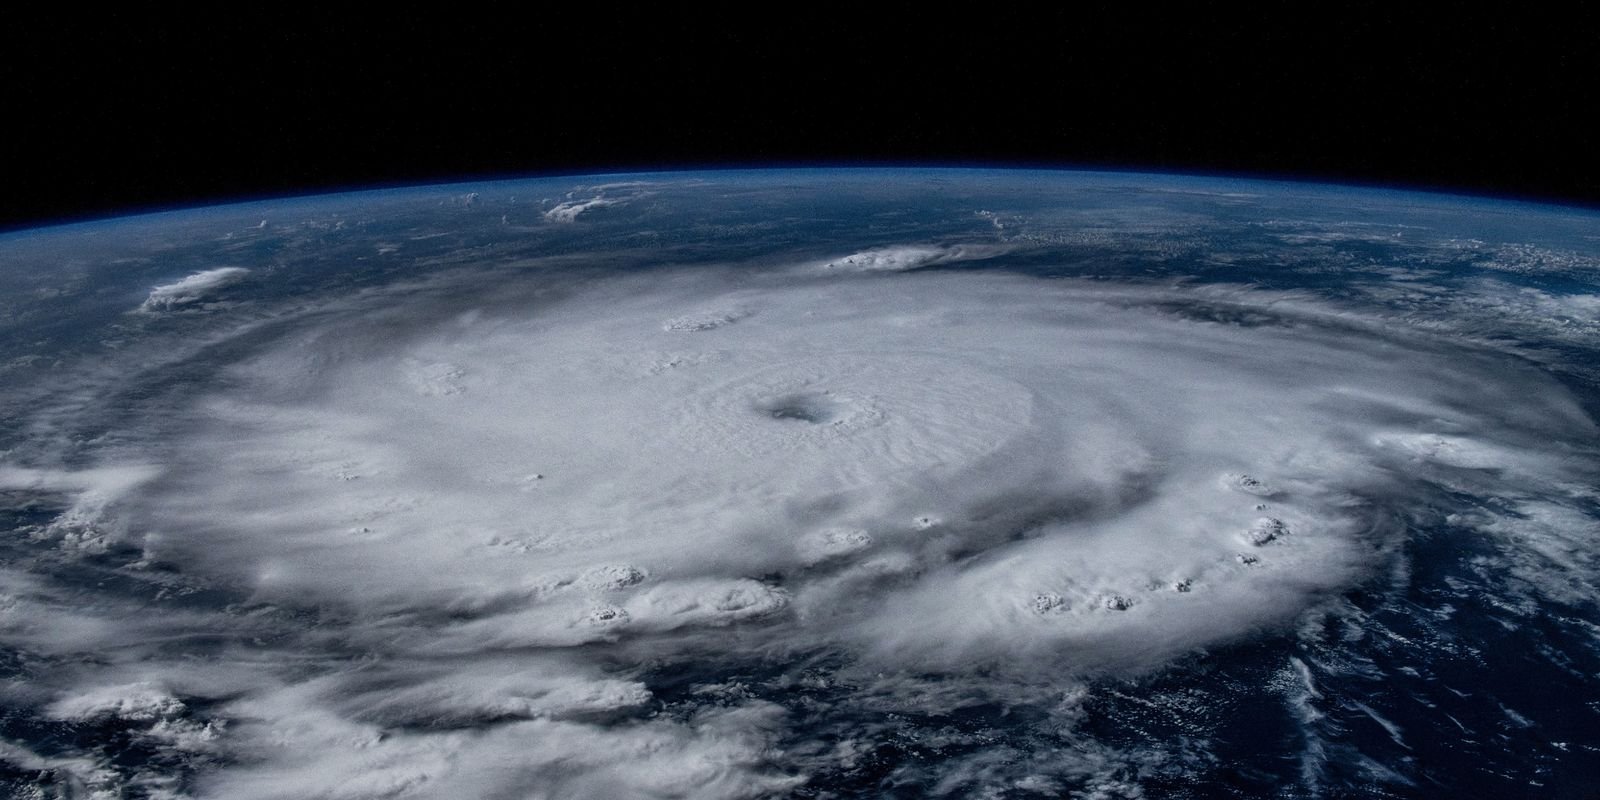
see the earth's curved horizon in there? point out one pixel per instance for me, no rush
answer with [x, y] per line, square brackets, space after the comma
[804, 483]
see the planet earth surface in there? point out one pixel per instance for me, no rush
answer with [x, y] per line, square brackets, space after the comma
[849, 483]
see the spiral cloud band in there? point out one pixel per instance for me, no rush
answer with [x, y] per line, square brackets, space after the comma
[947, 472]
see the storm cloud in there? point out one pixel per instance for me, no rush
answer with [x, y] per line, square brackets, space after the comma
[463, 527]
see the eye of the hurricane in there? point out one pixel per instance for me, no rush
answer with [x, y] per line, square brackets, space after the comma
[813, 408]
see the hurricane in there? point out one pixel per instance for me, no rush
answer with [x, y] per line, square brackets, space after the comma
[812, 485]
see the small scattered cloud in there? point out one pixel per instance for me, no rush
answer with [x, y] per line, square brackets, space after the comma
[900, 258]
[569, 210]
[606, 195]
[193, 289]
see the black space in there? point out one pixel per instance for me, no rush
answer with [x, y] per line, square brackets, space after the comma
[125, 112]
